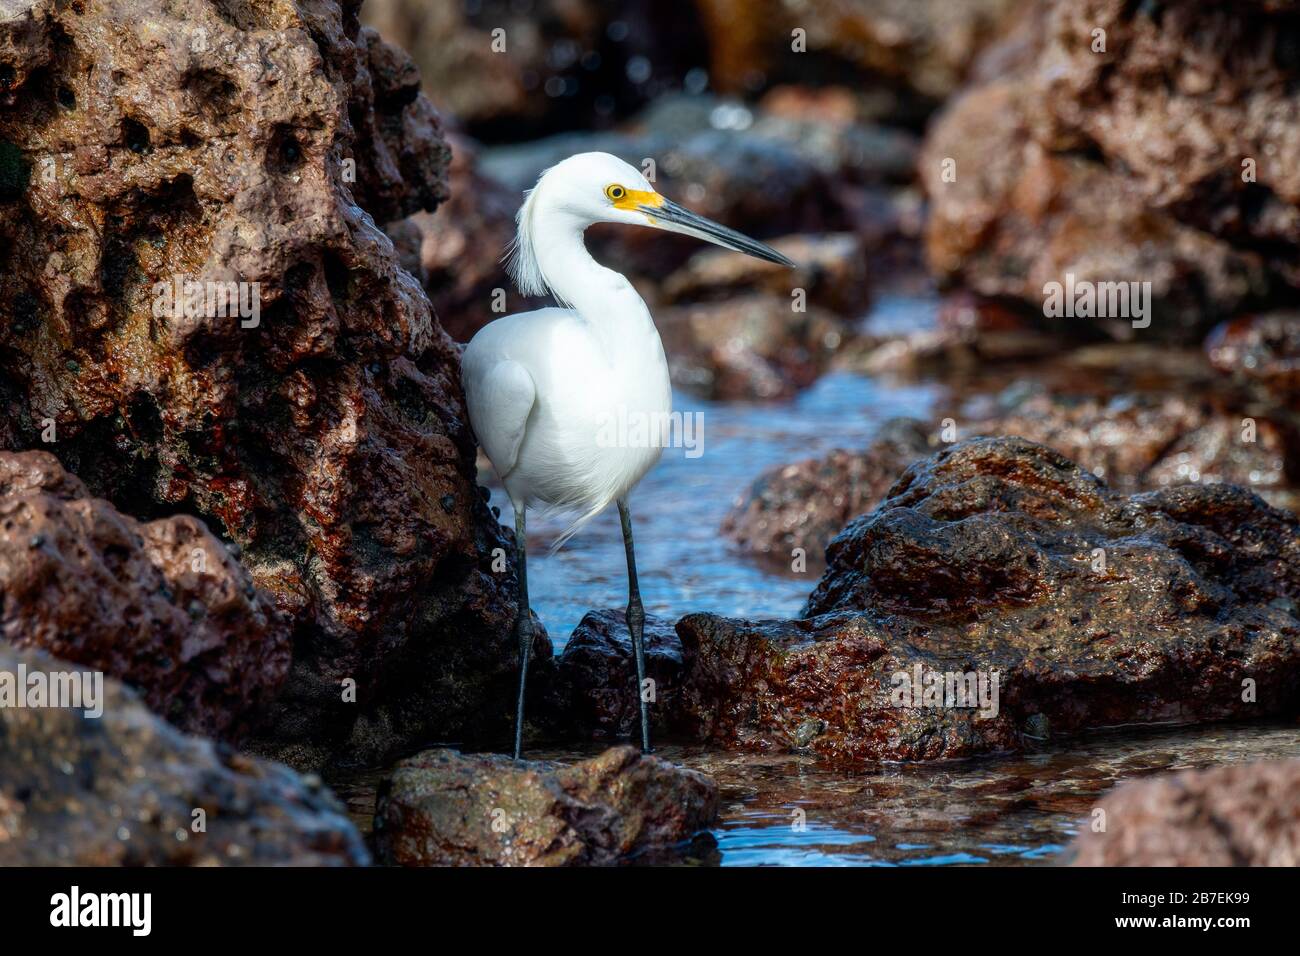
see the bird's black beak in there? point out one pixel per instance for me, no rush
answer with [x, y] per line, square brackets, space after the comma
[675, 218]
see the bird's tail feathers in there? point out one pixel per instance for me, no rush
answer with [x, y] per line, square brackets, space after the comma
[574, 526]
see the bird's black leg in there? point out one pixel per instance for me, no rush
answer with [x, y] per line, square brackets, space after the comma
[635, 622]
[523, 624]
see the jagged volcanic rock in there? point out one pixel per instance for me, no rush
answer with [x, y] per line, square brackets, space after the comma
[595, 676]
[163, 606]
[122, 789]
[999, 555]
[1136, 442]
[441, 808]
[1162, 157]
[142, 143]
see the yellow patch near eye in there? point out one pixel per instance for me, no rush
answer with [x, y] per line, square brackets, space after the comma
[630, 199]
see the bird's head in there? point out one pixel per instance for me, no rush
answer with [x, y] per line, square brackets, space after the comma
[598, 187]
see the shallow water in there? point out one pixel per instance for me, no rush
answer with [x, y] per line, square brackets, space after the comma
[787, 810]
[684, 564]
[784, 809]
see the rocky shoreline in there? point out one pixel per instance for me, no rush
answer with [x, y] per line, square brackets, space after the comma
[267, 531]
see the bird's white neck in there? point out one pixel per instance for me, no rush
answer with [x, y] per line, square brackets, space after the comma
[603, 297]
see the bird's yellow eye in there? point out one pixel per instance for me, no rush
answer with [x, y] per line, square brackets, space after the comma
[615, 193]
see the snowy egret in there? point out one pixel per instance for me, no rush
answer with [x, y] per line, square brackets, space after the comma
[544, 387]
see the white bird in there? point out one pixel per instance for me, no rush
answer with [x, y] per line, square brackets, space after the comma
[548, 390]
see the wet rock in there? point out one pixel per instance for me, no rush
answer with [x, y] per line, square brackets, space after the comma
[1263, 350]
[999, 556]
[596, 675]
[126, 788]
[805, 504]
[163, 605]
[1136, 441]
[754, 346]
[1024, 217]
[918, 51]
[832, 272]
[959, 338]
[1146, 440]
[441, 808]
[511, 70]
[324, 435]
[1117, 166]
[1241, 815]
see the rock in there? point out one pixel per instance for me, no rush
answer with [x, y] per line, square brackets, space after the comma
[970, 337]
[441, 808]
[1238, 815]
[749, 347]
[596, 676]
[917, 51]
[554, 64]
[1117, 165]
[123, 789]
[328, 440]
[1263, 350]
[831, 135]
[804, 505]
[832, 272]
[1145, 440]
[1025, 217]
[460, 248]
[1136, 441]
[999, 556]
[162, 605]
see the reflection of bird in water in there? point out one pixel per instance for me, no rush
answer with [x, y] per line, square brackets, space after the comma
[571, 403]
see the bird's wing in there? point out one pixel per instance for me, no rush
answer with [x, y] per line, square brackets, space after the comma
[499, 403]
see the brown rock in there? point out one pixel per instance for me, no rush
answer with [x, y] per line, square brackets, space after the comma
[1137, 442]
[748, 347]
[1000, 556]
[441, 808]
[122, 789]
[1019, 216]
[919, 50]
[1153, 160]
[805, 504]
[162, 606]
[1147, 441]
[596, 675]
[554, 65]
[971, 338]
[1239, 815]
[328, 440]
[461, 247]
[1263, 350]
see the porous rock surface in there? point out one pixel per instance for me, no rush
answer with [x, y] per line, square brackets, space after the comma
[1136, 442]
[441, 808]
[803, 505]
[128, 789]
[594, 686]
[161, 605]
[142, 142]
[1169, 156]
[998, 555]
[920, 50]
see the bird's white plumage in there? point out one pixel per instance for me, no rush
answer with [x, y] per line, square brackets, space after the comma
[544, 388]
